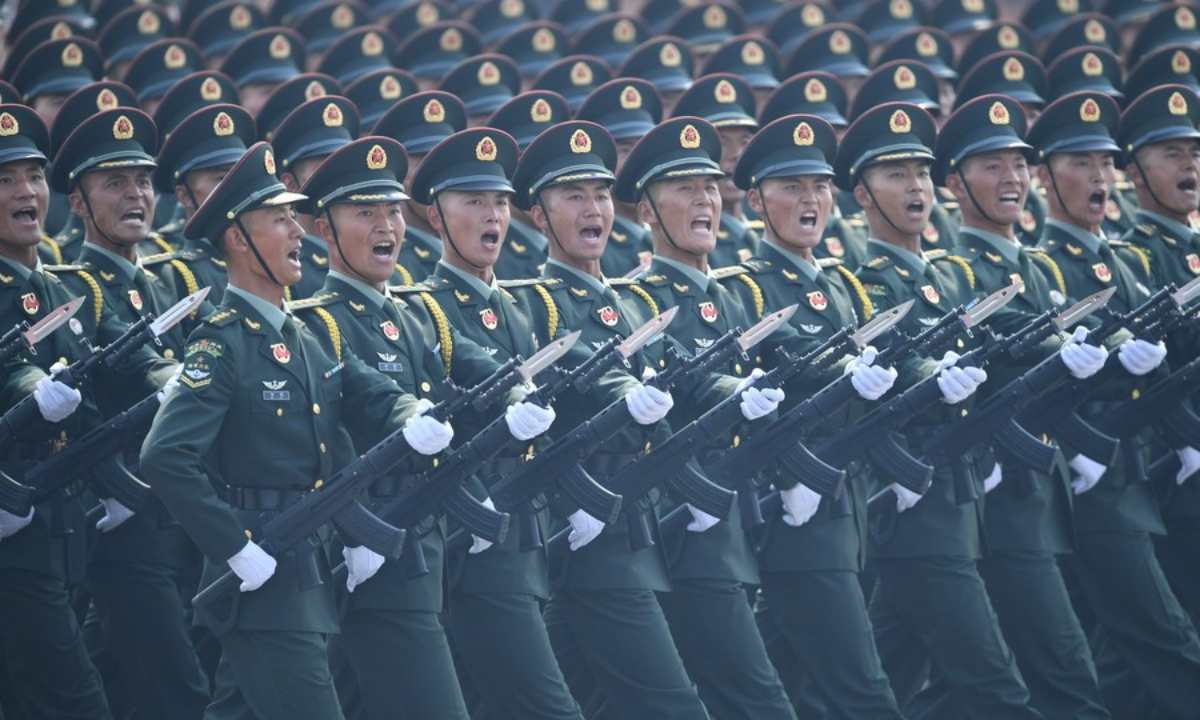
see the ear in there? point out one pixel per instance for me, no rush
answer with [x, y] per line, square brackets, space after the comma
[754, 198]
[78, 206]
[954, 183]
[434, 218]
[645, 213]
[184, 200]
[290, 182]
[234, 240]
[1043, 174]
[323, 227]
[538, 215]
[861, 196]
[1133, 172]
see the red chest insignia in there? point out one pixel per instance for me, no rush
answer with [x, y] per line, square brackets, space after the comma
[29, 303]
[1112, 210]
[281, 353]
[390, 331]
[930, 233]
[931, 294]
[1016, 277]
[1103, 274]
[1028, 221]
[835, 247]
[135, 299]
[708, 311]
[818, 300]
[488, 316]
[1194, 263]
[608, 316]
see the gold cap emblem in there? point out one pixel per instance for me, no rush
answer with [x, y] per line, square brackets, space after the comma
[581, 142]
[372, 45]
[1185, 19]
[1007, 38]
[239, 17]
[72, 56]
[1068, 6]
[280, 48]
[1092, 66]
[427, 14]
[725, 93]
[839, 43]
[1094, 32]
[631, 99]
[904, 78]
[512, 8]
[714, 17]
[389, 88]
[269, 161]
[1181, 64]
[581, 74]
[900, 9]
[174, 58]
[485, 150]
[543, 41]
[540, 111]
[752, 53]
[812, 15]
[332, 116]
[451, 40]
[60, 30]
[9, 125]
[106, 100]
[623, 31]
[973, 6]
[689, 137]
[815, 91]
[803, 135]
[210, 90]
[1013, 70]
[998, 114]
[148, 23]
[222, 125]
[1089, 111]
[122, 128]
[926, 45]
[1176, 105]
[670, 56]
[597, 6]
[314, 90]
[488, 74]
[434, 112]
[342, 17]
[900, 122]
[376, 158]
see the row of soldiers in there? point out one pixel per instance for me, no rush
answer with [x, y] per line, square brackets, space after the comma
[605, 627]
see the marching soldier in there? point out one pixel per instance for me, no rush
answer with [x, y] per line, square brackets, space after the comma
[671, 175]
[267, 447]
[929, 590]
[563, 180]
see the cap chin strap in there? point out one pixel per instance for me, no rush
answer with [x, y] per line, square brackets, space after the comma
[971, 196]
[338, 244]
[92, 213]
[766, 217]
[550, 225]
[1062, 203]
[258, 256]
[879, 208]
[663, 225]
[1146, 181]
[437, 203]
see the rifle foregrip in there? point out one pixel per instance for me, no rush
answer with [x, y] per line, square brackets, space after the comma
[15, 497]
[476, 517]
[900, 467]
[115, 481]
[138, 335]
[591, 497]
[482, 400]
[495, 388]
[1022, 447]
[752, 516]
[360, 527]
[701, 493]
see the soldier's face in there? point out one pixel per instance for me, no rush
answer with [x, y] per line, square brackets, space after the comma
[23, 201]
[47, 106]
[798, 209]
[690, 211]
[120, 204]
[369, 236]
[733, 142]
[998, 182]
[903, 191]
[577, 217]
[276, 234]
[1083, 181]
[202, 182]
[1170, 170]
[476, 223]
[254, 95]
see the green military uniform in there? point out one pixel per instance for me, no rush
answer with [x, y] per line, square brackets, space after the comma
[138, 571]
[708, 613]
[812, 597]
[267, 447]
[495, 617]
[1027, 517]
[1115, 564]
[42, 654]
[929, 589]
[635, 661]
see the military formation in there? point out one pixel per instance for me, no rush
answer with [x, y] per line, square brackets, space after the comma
[599, 359]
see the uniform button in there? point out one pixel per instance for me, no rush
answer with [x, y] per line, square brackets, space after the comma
[169, 353]
[1136, 393]
[961, 344]
[279, 412]
[322, 447]
[662, 362]
[647, 449]
[435, 462]
[316, 409]
[249, 535]
[63, 361]
[425, 386]
[317, 485]
[964, 412]
[737, 440]
[737, 368]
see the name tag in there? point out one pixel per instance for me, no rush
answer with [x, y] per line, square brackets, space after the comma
[391, 367]
[276, 395]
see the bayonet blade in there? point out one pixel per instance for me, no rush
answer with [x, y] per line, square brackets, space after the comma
[881, 323]
[1187, 293]
[988, 306]
[56, 319]
[547, 356]
[177, 312]
[765, 327]
[651, 329]
[1070, 317]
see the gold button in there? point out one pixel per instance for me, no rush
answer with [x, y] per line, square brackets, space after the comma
[322, 447]
[249, 535]
[737, 440]
[737, 368]
[425, 386]
[1136, 393]
[661, 362]
[961, 344]
[168, 353]
[435, 462]
[316, 409]
[647, 446]
[317, 485]
[279, 412]
[964, 412]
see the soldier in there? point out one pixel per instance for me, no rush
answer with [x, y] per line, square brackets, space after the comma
[391, 634]
[813, 554]
[612, 38]
[929, 590]
[671, 175]
[483, 83]
[261, 61]
[431, 52]
[496, 621]
[983, 160]
[1115, 511]
[563, 181]
[574, 77]
[667, 63]
[533, 47]
[143, 562]
[268, 447]
[1158, 133]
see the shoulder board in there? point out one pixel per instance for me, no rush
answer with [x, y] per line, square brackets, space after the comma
[222, 318]
[1144, 230]
[414, 288]
[614, 282]
[159, 258]
[728, 272]
[879, 262]
[655, 280]
[936, 254]
[315, 301]
[160, 241]
[755, 265]
[828, 262]
[755, 224]
[63, 268]
[1118, 244]
[524, 282]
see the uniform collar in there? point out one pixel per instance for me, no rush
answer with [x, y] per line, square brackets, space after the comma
[367, 292]
[916, 262]
[127, 268]
[698, 278]
[529, 234]
[480, 286]
[597, 284]
[274, 316]
[1089, 240]
[1174, 226]
[22, 271]
[807, 269]
[1010, 250]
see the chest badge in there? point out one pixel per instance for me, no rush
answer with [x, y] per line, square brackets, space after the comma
[30, 304]
[274, 391]
[390, 331]
[1028, 221]
[281, 353]
[608, 316]
[818, 301]
[387, 363]
[1017, 279]
[835, 247]
[931, 294]
[1193, 261]
[708, 312]
[489, 318]
[1112, 211]
[1103, 274]
[931, 234]
[135, 299]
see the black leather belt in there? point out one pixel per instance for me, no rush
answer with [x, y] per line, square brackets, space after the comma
[262, 498]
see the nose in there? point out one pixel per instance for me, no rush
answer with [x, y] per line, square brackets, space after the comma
[295, 230]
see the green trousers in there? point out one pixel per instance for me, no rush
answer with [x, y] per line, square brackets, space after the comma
[273, 675]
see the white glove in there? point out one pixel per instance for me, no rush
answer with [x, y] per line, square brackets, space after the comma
[424, 434]
[905, 498]
[1088, 473]
[799, 505]
[56, 400]
[648, 404]
[991, 481]
[1189, 463]
[253, 566]
[1081, 359]
[478, 544]
[868, 379]
[115, 514]
[757, 403]
[1140, 357]
[958, 384]
[12, 524]
[361, 565]
[528, 420]
[701, 520]
[584, 529]
[168, 388]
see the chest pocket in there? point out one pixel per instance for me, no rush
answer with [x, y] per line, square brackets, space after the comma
[278, 406]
